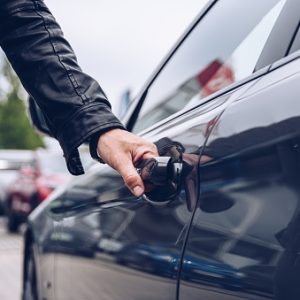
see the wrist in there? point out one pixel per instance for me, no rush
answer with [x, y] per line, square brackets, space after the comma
[93, 146]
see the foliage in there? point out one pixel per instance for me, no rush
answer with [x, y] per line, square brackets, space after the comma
[16, 131]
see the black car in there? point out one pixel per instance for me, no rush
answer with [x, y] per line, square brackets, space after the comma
[224, 110]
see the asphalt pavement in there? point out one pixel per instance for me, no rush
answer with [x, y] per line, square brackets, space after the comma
[11, 246]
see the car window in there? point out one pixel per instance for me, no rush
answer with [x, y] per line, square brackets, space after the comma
[296, 44]
[223, 48]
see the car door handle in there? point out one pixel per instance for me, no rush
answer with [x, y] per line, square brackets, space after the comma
[166, 178]
[160, 171]
[163, 176]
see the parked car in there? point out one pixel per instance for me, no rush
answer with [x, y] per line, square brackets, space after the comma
[224, 105]
[35, 181]
[11, 161]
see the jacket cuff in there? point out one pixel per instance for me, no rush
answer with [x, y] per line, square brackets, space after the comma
[92, 119]
[93, 145]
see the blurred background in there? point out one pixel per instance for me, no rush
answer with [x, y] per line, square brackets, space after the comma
[119, 43]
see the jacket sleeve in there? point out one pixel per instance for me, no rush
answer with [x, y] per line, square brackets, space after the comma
[74, 105]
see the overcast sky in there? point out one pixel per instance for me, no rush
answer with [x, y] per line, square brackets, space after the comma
[121, 42]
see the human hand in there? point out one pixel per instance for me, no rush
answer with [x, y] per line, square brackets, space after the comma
[122, 150]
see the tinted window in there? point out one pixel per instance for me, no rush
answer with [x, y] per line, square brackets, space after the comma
[223, 48]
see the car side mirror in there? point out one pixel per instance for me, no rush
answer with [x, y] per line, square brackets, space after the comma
[38, 118]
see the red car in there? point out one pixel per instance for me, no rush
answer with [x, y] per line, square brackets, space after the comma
[36, 180]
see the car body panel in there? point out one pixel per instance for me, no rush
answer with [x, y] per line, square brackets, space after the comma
[254, 164]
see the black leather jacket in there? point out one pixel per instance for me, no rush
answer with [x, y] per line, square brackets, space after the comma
[73, 103]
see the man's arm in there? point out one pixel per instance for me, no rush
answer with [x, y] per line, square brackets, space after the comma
[73, 103]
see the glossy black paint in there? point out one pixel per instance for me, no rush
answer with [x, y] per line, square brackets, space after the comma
[237, 240]
[254, 163]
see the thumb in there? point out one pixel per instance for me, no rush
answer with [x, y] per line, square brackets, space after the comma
[131, 178]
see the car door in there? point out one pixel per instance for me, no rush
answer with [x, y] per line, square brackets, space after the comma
[244, 239]
[115, 246]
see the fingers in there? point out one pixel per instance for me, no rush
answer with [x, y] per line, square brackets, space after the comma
[145, 152]
[122, 150]
[131, 178]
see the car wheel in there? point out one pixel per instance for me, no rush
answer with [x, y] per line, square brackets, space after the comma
[30, 280]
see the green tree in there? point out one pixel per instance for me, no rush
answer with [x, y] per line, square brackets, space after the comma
[16, 132]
